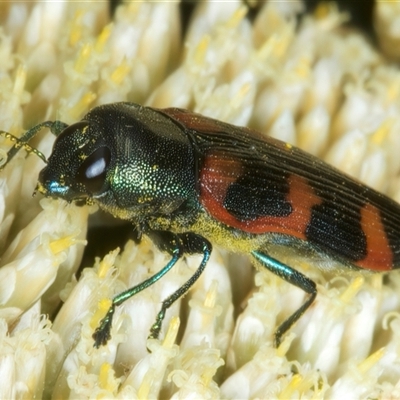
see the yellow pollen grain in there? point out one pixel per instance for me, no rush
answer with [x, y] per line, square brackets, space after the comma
[236, 18]
[285, 345]
[120, 72]
[172, 332]
[76, 29]
[144, 389]
[83, 58]
[393, 90]
[82, 105]
[369, 362]
[102, 308]
[276, 44]
[240, 95]
[352, 289]
[380, 135]
[103, 38]
[56, 246]
[303, 68]
[103, 376]
[306, 382]
[104, 267]
[201, 50]
[291, 388]
[271, 45]
[20, 80]
[211, 296]
[281, 42]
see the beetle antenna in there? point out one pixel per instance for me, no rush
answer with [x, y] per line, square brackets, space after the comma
[18, 145]
[56, 127]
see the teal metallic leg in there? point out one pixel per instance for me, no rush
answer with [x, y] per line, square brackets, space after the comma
[102, 333]
[177, 246]
[294, 277]
[193, 244]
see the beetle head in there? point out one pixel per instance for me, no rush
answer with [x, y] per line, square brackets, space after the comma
[130, 160]
[77, 167]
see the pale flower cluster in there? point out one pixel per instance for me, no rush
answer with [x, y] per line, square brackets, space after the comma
[313, 83]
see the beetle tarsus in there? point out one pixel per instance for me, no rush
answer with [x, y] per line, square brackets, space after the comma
[156, 328]
[102, 333]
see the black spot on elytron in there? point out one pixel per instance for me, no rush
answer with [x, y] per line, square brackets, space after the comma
[337, 231]
[246, 200]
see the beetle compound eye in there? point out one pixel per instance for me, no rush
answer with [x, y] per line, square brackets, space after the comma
[92, 172]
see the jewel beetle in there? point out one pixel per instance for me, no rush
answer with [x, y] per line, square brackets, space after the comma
[186, 181]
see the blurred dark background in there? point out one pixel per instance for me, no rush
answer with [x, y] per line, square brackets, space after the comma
[360, 11]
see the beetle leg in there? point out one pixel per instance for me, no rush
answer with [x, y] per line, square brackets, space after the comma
[176, 246]
[192, 244]
[165, 241]
[295, 278]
